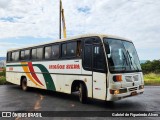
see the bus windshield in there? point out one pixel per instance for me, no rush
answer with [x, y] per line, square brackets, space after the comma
[122, 57]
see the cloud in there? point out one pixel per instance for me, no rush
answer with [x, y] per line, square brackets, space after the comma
[4, 3]
[138, 20]
[4, 46]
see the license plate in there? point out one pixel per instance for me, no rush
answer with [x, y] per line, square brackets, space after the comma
[134, 93]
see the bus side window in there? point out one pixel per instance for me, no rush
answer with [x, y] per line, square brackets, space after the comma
[17, 56]
[33, 55]
[69, 49]
[12, 56]
[64, 50]
[87, 54]
[8, 56]
[98, 58]
[22, 55]
[55, 51]
[88, 57]
[27, 54]
[47, 54]
[39, 53]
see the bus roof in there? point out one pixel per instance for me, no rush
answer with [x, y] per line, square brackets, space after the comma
[72, 38]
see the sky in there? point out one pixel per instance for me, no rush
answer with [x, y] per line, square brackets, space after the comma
[28, 22]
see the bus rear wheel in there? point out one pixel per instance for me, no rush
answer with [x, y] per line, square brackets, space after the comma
[24, 84]
[82, 93]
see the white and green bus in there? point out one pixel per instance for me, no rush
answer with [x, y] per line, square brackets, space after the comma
[96, 66]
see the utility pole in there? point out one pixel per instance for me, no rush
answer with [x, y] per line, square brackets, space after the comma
[62, 20]
[64, 24]
[60, 10]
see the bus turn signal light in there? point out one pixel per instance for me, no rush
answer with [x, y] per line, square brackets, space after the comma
[117, 78]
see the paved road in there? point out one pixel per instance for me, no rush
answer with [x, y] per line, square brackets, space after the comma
[12, 98]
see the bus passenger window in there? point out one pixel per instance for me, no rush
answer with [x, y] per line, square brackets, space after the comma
[47, 54]
[71, 49]
[12, 56]
[22, 55]
[17, 56]
[27, 54]
[64, 51]
[39, 53]
[8, 56]
[34, 52]
[55, 51]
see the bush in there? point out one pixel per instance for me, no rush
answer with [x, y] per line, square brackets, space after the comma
[151, 67]
[2, 80]
[3, 73]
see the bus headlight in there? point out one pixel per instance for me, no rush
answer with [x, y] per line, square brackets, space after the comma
[117, 78]
[141, 87]
[119, 91]
[116, 92]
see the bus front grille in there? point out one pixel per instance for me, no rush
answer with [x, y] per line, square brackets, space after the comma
[132, 89]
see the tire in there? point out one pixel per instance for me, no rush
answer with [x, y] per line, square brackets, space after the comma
[24, 84]
[82, 93]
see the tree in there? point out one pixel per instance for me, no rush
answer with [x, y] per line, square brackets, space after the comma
[151, 66]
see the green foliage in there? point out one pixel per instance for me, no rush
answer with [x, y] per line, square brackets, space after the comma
[2, 77]
[2, 80]
[151, 67]
[152, 79]
[3, 73]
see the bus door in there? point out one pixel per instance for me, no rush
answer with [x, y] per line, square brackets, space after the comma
[99, 72]
[94, 61]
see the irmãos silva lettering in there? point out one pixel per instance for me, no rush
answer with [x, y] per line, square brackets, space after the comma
[68, 66]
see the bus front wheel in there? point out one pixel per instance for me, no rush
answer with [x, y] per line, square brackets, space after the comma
[24, 84]
[82, 93]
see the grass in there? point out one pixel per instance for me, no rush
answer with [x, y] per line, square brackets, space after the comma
[152, 79]
[2, 80]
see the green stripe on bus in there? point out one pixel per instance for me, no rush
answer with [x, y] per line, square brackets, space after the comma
[48, 79]
[16, 65]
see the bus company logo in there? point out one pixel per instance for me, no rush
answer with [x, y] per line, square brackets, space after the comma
[68, 66]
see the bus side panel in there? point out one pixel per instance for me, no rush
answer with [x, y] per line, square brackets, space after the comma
[10, 77]
[88, 81]
[15, 71]
[63, 73]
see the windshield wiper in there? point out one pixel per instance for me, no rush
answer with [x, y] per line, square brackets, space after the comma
[124, 59]
[130, 59]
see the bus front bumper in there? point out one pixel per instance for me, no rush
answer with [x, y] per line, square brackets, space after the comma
[118, 96]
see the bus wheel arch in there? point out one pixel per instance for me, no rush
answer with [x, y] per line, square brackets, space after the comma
[23, 83]
[80, 86]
